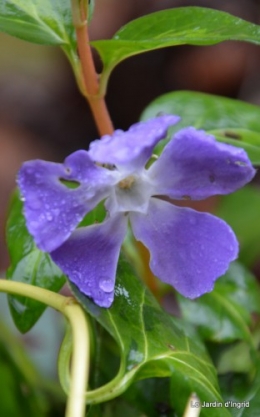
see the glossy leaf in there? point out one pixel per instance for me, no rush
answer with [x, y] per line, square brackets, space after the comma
[230, 121]
[241, 211]
[28, 265]
[179, 26]
[224, 314]
[151, 344]
[149, 397]
[39, 21]
[243, 391]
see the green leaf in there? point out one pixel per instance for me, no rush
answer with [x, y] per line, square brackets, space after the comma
[231, 121]
[151, 344]
[150, 397]
[224, 314]
[28, 265]
[232, 209]
[179, 26]
[94, 216]
[39, 21]
[244, 392]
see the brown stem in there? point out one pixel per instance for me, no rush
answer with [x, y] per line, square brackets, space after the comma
[89, 75]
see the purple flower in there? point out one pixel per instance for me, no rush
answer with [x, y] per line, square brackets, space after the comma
[188, 249]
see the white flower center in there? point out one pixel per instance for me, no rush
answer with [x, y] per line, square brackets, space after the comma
[131, 193]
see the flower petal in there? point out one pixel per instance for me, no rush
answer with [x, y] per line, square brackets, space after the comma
[194, 165]
[89, 258]
[131, 150]
[189, 250]
[52, 210]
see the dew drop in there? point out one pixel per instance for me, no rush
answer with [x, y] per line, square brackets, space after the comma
[76, 276]
[106, 284]
[110, 300]
[56, 211]
[78, 217]
[29, 171]
[35, 204]
[49, 217]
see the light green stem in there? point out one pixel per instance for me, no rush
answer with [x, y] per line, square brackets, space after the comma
[80, 334]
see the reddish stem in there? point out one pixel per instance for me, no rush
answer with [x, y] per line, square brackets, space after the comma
[89, 75]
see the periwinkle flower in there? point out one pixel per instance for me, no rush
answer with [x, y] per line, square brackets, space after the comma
[188, 249]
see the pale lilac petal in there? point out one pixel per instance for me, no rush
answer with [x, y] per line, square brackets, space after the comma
[52, 210]
[130, 150]
[189, 250]
[194, 165]
[89, 258]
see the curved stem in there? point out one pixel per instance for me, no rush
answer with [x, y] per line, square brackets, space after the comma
[64, 361]
[80, 361]
[89, 75]
[76, 317]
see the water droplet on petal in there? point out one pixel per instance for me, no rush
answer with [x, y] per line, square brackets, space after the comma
[106, 284]
[110, 300]
[78, 217]
[35, 204]
[29, 171]
[49, 217]
[76, 276]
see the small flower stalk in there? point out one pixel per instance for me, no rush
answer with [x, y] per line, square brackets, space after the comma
[188, 250]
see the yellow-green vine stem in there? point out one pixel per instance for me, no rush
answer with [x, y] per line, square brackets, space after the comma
[80, 334]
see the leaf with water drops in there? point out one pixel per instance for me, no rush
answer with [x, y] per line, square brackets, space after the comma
[178, 26]
[151, 343]
[224, 315]
[230, 121]
[28, 265]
